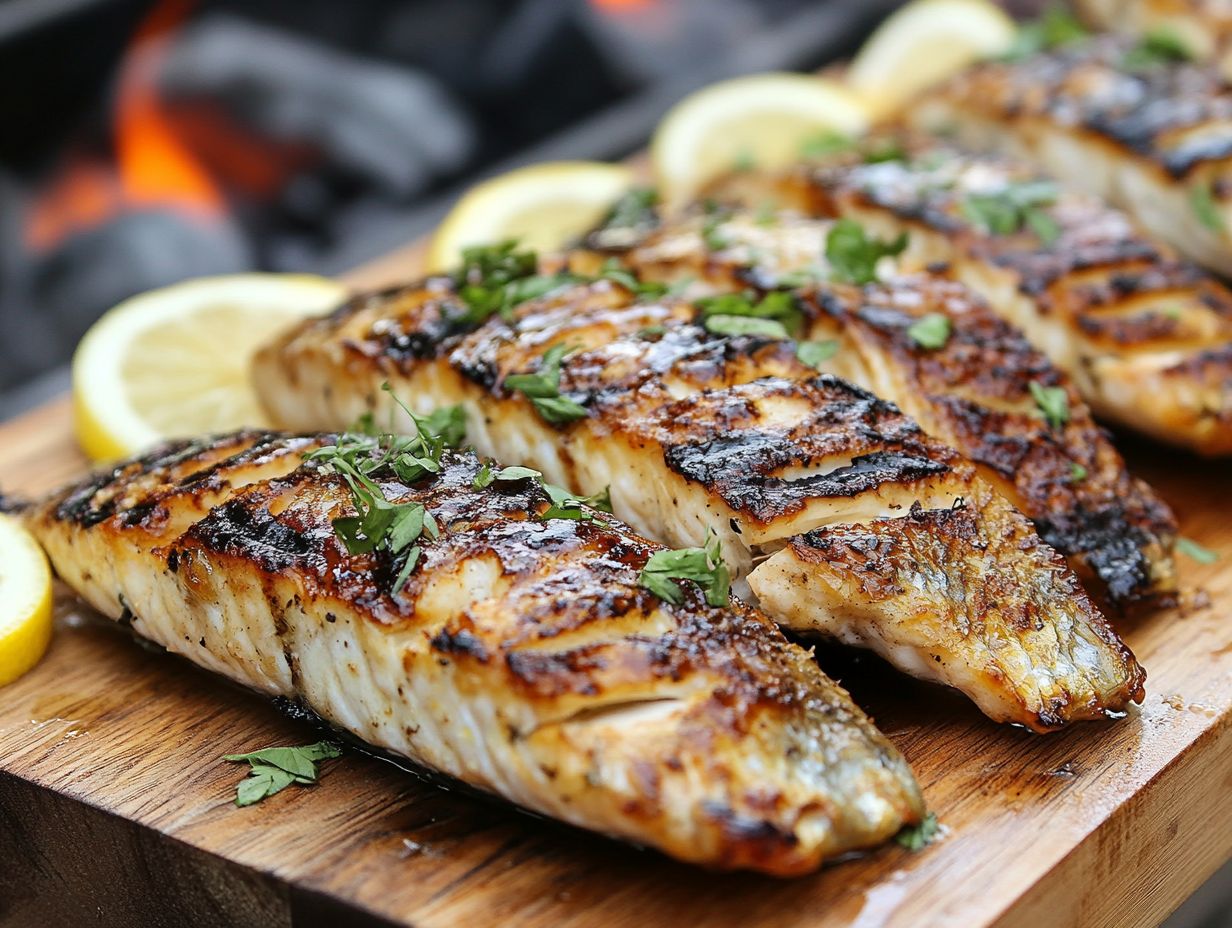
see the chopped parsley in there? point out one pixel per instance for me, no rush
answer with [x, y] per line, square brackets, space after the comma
[1056, 28]
[274, 769]
[1014, 208]
[815, 354]
[1156, 48]
[361, 457]
[879, 151]
[1204, 205]
[631, 217]
[494, 279]
[719, 312]
[826, 143]
[1053, 403]
[613, 270]
[853, 253]
[543, 389]
[487, 476]
[1077, 473]
[703, 566]
[931, 331]
[566, 505]
[918, 837]
[1191, 548]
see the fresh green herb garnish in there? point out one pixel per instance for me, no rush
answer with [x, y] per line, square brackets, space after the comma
[1053, 402]
[1016, 206]
[494, 279]
[1077, 472]
[566, 505]
[745, 325]
[704, 566]
[631, 217]
[543, 389]
[274, 769]
[1057, 27]
[918, 837]
[1191, 548]
[815, 354]
[361, 457]
[775, 306]
[1206, 207]
[487, 476]
[615, 271]
[1158, 47]
[652, 331]
[826, 143]
[931, 331]
[879, 151]
[853, 254]
[745, 161]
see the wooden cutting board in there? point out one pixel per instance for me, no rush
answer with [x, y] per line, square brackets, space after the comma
[116, 807]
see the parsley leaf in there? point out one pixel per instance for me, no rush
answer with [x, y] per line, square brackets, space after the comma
[745, 325]
[1053, 402]
[918, 837]
[615, 271]
[274, 769]
[930, 331]
[826, 143]
[853, 254]
[631, 217]
[1013, 208]
[1056, 28]
[1158, 47]
[543, 389]
[814, 354]
[487, 476]
[704, 566]
[1077, 472]
[1206, 207]
[1191, 548]
[777, 306]
[566, 505]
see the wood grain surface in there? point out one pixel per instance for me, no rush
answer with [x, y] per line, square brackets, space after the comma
[116, 807]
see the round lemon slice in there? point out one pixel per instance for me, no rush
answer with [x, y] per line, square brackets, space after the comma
[174, 362]
[25, 601]
[542, 206]
[763, 121]
[924, 43]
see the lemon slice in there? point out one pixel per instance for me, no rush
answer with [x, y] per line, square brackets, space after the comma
[763, 120]
[542, 206]
[924, 43]
[25, 601]
[174, 362]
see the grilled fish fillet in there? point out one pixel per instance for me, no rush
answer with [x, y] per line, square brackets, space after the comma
[692, 431]
[1145, 336]
[1205, 26]
[522, 657]
[1155, 141]
[973, 392]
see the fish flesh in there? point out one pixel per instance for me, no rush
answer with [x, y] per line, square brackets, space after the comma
[522, 656]
[971, 387]
[1145, 336]
[1155, 141]
[1204, 26]
[694, 432]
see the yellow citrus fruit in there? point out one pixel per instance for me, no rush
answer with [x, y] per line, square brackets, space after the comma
[25, 601]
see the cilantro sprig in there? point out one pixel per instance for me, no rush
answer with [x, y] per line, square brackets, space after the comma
[495, 279]
[563, 504]
[543, 389]
[362, 457]
[271, 770]
[703, 566]
[853, 253]
[1014, 208]
[1052, 402]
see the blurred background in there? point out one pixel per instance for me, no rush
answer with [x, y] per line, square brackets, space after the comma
[147, 141]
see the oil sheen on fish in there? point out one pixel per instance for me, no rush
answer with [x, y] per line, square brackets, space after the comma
[694, 431]
[1145, 336]
[522, 656]
[1155, 140]
[971, 387]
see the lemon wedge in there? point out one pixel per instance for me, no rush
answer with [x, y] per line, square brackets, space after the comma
[542, 206]
[25, 601]
[174, 362]
[922, 44]
[762, 121]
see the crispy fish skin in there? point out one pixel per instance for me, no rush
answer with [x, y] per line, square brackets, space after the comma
[1145, 336]
[973, 392]
[1149, 140]
[522, 657]
[692, 431]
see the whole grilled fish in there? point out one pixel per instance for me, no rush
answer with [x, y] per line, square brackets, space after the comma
[1155, 140]
[970, 386]
[1145, 336]
[520, 656]
[693, 431]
